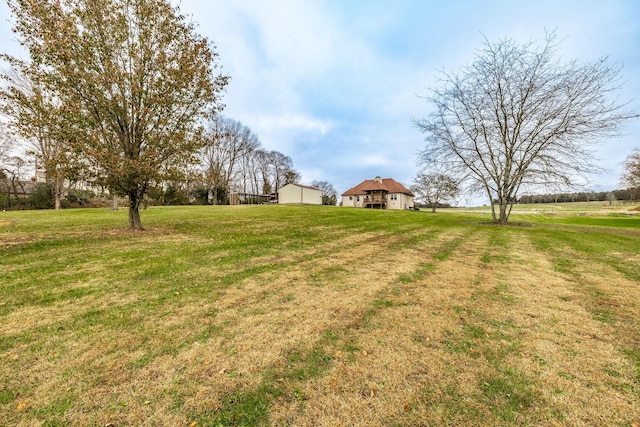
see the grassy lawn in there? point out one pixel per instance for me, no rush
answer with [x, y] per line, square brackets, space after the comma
[301, 316]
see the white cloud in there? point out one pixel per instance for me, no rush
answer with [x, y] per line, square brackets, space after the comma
[377, 160]
[291, 122]
[285, 131]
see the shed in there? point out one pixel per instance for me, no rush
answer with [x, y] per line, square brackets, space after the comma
[299, 194]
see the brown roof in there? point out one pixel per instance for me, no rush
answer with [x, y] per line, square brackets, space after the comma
[389, 185]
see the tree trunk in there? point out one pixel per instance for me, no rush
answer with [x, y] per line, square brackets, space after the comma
[134, 213]
[493, 206]
[56, 184]
[504, 215]
[57, 192]
[506, 204]
[134, 218]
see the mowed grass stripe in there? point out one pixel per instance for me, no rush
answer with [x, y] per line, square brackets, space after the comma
[611, 247]
[316, 329]
[603, 282]
[159, 264]
[160, 280]
[127, 316]
[377, 383]
[494, 366]
[432, 318]
[572, 348]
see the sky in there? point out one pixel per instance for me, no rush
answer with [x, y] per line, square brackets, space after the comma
[335, 84]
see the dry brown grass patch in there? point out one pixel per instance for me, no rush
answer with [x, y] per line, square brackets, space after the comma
[394, 361]
[405, 371]
[564, 348]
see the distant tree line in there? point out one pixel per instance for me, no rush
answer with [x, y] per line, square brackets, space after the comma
[231, 160]
[585, 196]
[630, 180]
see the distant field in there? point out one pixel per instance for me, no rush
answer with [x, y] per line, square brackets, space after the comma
[615, 206]
[314, 316]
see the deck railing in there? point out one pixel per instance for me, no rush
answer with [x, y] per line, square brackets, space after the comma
[375, 200]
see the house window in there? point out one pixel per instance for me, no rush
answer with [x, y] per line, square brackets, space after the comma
[357, 198]
[350, 197]
[394, 197]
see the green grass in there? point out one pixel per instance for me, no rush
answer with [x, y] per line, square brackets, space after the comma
[258, 315]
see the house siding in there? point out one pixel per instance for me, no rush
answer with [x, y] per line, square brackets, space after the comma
[401, 201]
[353, 201]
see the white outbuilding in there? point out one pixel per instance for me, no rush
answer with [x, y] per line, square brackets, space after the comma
[299, 194]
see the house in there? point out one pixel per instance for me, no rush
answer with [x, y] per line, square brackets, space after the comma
[299, 194]
[378, 193]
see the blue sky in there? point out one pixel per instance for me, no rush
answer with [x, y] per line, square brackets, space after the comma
[335, 84]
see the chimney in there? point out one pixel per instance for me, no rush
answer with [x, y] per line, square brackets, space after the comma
[379, 179]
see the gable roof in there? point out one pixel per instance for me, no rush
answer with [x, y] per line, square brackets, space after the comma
[302, 186]
[389, 185]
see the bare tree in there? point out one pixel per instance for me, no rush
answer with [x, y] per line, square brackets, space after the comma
[249, 143]
[243, 175]
[226, 142]
[263, 167]
[283, 172]
[631, 177]
[611, 197]
[35, 117]
[517, 118]
[12, 166]
[435, 189]
[232, 160]
[6, 144]
[249, 172]
[273, 170]
[329, 193]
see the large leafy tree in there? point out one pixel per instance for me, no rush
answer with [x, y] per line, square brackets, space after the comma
[518, 118]
[133, 79]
